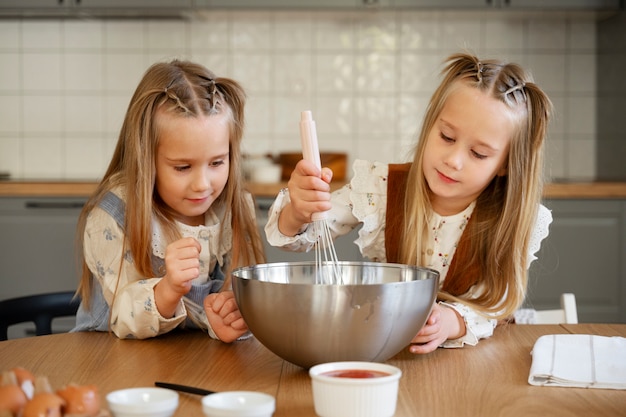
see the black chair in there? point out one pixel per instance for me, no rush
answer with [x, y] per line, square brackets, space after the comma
[40, 309]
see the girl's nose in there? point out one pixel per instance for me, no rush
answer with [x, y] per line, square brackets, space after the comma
[454, 158]
[201, 180]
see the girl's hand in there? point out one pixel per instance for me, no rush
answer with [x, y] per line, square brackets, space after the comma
[309, 192]
[443, 323]
[224, 316]
[182, 265]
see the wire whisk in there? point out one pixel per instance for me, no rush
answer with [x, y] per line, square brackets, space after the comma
[327, 270]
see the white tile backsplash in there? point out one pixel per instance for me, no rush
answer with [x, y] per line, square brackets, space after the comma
[211, 33]
[167, 36]
[547, 34]
[82, 72]
[83, 35]
[581, 116]
[83, 115]
[334, 32]
[293, 32]
[334, 73]
[66, 84]
[459, 34]
[124, 34]
[549, 71]
[252, 32]
[582, 36]
[83, 158]
[45, 34]
[42, 114]
[505, 35]
[11, 115]
[419, 31]
[581, 158]
[581, 73]
[41, 71]
[43, 157]
[10, 34]
[10, 150]
[10, 64]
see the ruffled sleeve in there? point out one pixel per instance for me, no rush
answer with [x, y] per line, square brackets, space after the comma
[369, 206]
[541, 231]
[363, 200]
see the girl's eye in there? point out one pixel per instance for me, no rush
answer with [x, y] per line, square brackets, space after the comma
[445, 138]
[217, 163]
[479, 156]
[181, 168]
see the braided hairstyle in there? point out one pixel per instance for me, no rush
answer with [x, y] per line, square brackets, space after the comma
[506, 211]
[185, 89]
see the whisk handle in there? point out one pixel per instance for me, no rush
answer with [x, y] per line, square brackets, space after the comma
[310, 148]
[308, 137]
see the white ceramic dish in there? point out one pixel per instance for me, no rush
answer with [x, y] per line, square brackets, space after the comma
[148, 402]
[238, 404]
[345, 396]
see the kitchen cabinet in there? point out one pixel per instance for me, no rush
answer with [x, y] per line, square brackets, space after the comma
[511, 4]
[37, 251]
[446, 4]
[37, 242]
[583, 254]
[98, 8]
[432, 4]
[291, 4]
[183, 8]
[560, 4]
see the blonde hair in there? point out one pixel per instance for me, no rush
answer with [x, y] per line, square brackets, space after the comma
[185, 89]
[505, 213]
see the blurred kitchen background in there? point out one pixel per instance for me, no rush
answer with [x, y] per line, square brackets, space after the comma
[365, 72]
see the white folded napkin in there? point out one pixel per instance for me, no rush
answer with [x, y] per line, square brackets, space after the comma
[579, 360]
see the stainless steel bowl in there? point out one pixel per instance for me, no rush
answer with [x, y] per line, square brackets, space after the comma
[371, 316]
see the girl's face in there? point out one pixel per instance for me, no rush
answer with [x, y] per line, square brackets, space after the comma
[192, 163]
[466, 148]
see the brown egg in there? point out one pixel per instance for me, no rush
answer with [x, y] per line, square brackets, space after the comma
[26, 380]
[81, 399]
[12, 399]
[44, 404]
[23, 375]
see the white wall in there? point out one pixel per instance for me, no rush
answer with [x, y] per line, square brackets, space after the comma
[65, 84]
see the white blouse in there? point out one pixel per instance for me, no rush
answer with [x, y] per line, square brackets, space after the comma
[134, 313]
[364, 201]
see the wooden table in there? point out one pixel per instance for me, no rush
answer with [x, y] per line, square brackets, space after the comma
[489, 379]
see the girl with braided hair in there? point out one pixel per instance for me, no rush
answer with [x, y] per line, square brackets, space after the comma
[468, 205]
[170, 218]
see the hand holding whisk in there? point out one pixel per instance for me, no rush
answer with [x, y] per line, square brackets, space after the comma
[326, 263]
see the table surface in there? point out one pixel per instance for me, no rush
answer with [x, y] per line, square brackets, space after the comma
[490, 379]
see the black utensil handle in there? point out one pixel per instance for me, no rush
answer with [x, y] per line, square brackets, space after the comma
[184, 388]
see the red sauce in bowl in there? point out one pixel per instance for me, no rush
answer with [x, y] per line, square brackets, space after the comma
[355, 373]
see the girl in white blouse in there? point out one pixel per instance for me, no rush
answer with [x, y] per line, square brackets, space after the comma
[468, 205]
[170, 218]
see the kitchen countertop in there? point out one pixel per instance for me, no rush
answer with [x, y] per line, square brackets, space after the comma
[68, 188]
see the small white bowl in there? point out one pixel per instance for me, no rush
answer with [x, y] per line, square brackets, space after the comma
[149, 401]
[238, 404]
[351, 396]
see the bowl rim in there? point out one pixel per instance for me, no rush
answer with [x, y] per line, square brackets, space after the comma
[316, 371]
[433, 273]
[168, 400]
[264, 403]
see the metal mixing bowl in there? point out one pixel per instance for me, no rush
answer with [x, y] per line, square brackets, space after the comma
[372, 315]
